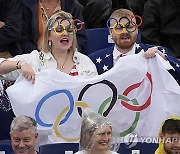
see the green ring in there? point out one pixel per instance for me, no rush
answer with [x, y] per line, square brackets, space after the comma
[134, 124]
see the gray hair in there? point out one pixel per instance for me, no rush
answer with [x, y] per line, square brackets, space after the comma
[21, 123]
[90, 123]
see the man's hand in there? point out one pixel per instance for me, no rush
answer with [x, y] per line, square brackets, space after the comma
[2, 24]
[151, 52]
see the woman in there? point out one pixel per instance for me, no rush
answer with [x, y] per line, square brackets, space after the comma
[35, 16]
[58, 51]
[97, 135]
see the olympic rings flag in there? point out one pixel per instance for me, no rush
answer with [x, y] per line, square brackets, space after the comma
[136, 96]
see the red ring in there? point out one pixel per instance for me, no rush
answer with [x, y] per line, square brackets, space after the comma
[129, 89]
[136, 16]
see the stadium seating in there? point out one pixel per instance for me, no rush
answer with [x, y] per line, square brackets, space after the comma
[99, 38]
[5, 147]
[59, 148]
[70, 148]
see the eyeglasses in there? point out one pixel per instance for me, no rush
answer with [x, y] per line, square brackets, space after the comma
[60, 29]
[130, 26]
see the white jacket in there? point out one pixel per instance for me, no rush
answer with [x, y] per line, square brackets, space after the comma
[84, 65]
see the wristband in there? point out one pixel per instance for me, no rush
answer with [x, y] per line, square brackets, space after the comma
[19, 65]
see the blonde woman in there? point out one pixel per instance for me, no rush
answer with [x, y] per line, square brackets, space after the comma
[58, 51]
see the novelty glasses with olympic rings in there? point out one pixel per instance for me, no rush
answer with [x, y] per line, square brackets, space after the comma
[130, 26]
[60, 29]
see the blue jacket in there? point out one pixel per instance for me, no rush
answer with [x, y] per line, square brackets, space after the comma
[106, 56]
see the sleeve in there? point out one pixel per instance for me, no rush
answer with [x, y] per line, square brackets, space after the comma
[150, 29]
[174, 62]
[97, 10]
[29, 58]
[27, 43]
[11, 31]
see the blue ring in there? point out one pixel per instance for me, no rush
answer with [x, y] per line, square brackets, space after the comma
[46, 97]
[107, 23]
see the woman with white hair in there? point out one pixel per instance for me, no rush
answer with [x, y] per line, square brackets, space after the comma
[98, 135]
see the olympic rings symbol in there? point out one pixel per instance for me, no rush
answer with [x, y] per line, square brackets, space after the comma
[104, 108]
[60, 29]
[119, 27]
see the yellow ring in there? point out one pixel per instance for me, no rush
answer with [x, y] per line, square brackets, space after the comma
[62, 31]
[56, 124]
[121, 31]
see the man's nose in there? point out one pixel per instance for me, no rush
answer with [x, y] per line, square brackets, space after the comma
[21, 144]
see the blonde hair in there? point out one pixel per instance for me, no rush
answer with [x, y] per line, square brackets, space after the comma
[45, 42]
[122, 13]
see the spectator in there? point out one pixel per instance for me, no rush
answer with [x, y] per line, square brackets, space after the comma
[97, 135]
[161, 24]
[10, 28]
[59, 51]
[169, 137]
[136, 6]
[124, 31]
[97, 12]
[10, 33]
[24, 135]
[6, 113]
[35, 16]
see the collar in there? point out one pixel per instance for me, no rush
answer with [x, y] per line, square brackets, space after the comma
[116, 52]
[47, 55]
[76, 57]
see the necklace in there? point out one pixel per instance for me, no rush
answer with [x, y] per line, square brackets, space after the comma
[62, 66]
[47, 7]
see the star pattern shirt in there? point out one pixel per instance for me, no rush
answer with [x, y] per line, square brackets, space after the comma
[103, 59]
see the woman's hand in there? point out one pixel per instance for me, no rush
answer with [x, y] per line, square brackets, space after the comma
[27, 71]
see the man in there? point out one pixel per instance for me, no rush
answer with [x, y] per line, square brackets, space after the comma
[124, 31]
[169, 137]
[24, 135]
[161, 24]
[10, 27]
[97, 12]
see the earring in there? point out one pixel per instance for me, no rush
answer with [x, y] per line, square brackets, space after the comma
[50, 43]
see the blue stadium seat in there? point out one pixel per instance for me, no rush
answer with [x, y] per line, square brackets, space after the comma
[58, 148]
[5, 145]
[97, 39]
[143, 148]
[62, 148]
